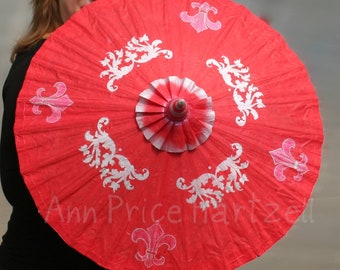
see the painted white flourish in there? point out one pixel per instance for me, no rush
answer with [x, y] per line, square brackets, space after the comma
[209, 188]
[247, 97]
[121, 62]
[101, 154]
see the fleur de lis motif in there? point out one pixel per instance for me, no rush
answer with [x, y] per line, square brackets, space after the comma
[114, 168]
[209, 188]
[154, 237]
[58, 102]
[121, 62]
[247, 97]
[283, 159]
[200, 21]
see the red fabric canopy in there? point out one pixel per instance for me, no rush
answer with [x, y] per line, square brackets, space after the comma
[168, 134]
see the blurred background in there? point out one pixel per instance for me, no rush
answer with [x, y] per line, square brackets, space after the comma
[312, 29]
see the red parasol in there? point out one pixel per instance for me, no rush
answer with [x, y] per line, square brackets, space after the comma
[168, 134]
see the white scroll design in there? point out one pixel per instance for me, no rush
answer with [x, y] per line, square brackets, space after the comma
[121, 62]
[101, 153]
[247, 97]
[209, 188]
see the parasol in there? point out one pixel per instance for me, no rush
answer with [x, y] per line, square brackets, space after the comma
[168, 134]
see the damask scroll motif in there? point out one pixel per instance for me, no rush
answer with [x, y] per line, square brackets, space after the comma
[246, 95]
[137, 51]
[101, 153]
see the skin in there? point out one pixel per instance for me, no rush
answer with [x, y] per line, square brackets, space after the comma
[69, 7]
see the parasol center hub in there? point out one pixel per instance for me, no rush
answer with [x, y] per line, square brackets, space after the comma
[177, 109]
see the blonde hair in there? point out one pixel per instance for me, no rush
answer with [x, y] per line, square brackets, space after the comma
[46, 18]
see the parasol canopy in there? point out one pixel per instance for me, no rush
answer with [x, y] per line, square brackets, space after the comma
[168, 134]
